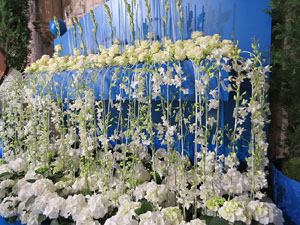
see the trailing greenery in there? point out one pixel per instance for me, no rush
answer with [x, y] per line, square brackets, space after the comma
[286, 66]
[291, 168]
[14, 32]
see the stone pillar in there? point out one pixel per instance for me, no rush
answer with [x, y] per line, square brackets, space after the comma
[43, 11]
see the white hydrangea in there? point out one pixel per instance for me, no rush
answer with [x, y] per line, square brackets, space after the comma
[127, 206]
[172, 215]
[194, 222]
[125, 212]
[7, 183]
[5, 168]
[23, 190]
[265, 213]
[140, 191]
[121, 220]
[141, 173]
[8, 207]
[234, 210]
[41, 186]
[156, 193]
[26, 216]
[87, 222]
[98, 205]
[40, 202]
[54, 206]
[73, 206]
[18, 165]
[79, 184]
[152, 218]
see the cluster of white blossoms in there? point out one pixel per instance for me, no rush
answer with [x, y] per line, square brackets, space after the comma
[198, 48]
[34, 195]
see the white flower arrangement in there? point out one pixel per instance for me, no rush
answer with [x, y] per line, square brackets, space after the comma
[60, 165]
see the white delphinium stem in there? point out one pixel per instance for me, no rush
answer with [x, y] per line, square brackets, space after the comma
[198, 98]
[218, 111]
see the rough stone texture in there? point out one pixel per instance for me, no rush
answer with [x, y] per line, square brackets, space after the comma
[43, 11]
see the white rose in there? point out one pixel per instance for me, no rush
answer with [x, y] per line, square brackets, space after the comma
[197, 34]
[227, 47]
[120, 60]
[158, 57]
[145, 44]
[58, 48]
[180, 54]
[109, 60]
[155, 47]
[114, 50]
[142, 56]
[102, 59]
[77, 52]
[133, 60]
[129, 49]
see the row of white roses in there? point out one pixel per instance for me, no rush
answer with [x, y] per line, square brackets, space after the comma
[144, 51]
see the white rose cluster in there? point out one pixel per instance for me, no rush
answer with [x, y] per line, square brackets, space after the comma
[197, 48]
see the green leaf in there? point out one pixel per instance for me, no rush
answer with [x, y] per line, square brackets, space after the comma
[218, 221]
[139, 211]
[145, 207]
[206, 218]
[12, 219]
[41, 218]
[54, 222]
[42, 170]
[5, 174]
[31, 181]
[30, 201]
[240, 223]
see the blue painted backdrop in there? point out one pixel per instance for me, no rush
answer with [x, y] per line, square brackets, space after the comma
[240, 20]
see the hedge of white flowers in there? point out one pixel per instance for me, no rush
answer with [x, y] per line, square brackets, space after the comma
[67, 159]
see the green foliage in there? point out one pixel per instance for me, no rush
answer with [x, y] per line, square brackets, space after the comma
[14, 32]
[291, 168]
[41, 218]
[285, 77]
[145, 207]
[30, 201]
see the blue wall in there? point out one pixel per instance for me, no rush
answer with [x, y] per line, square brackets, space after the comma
[240, 20]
